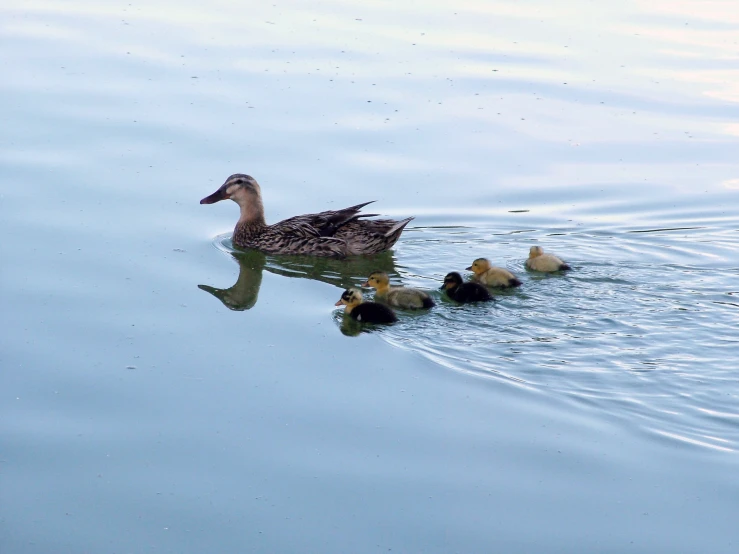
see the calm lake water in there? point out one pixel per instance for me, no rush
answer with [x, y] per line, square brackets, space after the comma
[165, 392]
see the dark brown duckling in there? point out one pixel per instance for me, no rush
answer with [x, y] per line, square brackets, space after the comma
[462, 292]
[365, 312]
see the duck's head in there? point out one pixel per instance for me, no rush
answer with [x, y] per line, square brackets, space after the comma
[350, 298]
[238, 187]
[535, 251]
[377, 280]
[480, 265]
[452, 280]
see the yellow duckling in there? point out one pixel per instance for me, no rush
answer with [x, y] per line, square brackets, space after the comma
[399, 297]
[492, 276]
[539, 261]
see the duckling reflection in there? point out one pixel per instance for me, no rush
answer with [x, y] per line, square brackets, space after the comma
[342, 273]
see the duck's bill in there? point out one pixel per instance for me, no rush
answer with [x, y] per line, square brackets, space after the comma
[468, 268]
[217, 196]
[338, 303]
[442, 287]
[366, 284]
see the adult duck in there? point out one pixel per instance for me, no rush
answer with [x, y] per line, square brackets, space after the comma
[335, 233]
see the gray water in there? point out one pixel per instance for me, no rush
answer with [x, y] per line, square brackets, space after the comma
[163, 391]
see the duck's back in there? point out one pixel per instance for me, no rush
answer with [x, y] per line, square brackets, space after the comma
[470, 292]
[295, 238]
[498, 277]
[546, 263]
[408, 298]
[372, 312]
[336, 233]
[371, 236]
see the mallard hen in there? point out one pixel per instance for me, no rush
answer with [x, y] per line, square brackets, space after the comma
[336, 233]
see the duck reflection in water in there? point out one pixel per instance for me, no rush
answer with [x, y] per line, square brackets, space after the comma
[342, 273]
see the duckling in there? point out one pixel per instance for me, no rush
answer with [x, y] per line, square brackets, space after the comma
[399, 297]
[539, 261]
[334, 233]
[366, 312]
[491, 275]
[463, 292]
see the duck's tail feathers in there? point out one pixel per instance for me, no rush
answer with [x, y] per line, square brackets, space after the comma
[396, 229]
[359, 206]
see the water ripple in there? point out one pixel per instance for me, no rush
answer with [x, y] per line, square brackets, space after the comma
[650, 342]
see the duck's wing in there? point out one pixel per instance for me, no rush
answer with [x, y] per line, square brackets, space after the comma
[404, 297]
[325, 224]
[295, 237]
[335, 230]
[368, 237]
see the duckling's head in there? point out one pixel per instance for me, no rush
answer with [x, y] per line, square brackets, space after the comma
[377, 280]
[238, 187]
[350, 298]
[452, 280]
[480, 265]
[535, 251]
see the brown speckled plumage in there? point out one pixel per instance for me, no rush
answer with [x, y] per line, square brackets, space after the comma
[336, 233]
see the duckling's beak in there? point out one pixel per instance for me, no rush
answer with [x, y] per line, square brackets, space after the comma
[443, 286]
[366, 284]
[217, 196]
[468, 268]
[338, 303]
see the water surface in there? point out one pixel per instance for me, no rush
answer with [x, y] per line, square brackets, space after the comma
[161, 393]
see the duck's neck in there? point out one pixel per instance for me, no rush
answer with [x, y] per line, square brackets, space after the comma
[252, 214]
[383, 288]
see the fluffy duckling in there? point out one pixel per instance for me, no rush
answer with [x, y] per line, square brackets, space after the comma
[539, 261]
[399, 297]
[492, 276]
[463, 292]
[366, 312]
